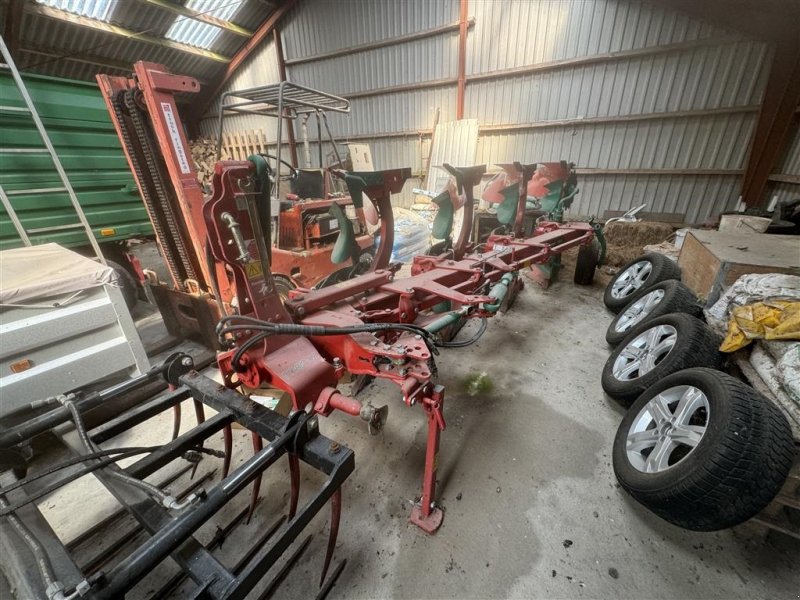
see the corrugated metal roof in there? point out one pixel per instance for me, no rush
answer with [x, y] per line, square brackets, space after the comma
[59, 38]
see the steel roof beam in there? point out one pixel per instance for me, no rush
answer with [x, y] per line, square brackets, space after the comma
[95, 61]
[97, 25]
[208, 19]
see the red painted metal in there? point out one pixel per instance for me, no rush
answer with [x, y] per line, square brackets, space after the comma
[308, 368]
[426, 515]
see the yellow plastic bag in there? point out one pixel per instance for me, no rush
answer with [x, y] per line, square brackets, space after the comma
[773, 320]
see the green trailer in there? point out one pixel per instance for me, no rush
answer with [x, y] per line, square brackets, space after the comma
[76, 119]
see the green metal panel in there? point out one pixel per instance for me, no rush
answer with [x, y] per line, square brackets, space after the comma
[78, 124]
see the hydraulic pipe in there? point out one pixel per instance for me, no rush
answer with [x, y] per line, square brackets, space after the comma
[57, 416]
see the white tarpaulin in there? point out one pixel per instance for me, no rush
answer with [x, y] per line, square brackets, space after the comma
[47, 271]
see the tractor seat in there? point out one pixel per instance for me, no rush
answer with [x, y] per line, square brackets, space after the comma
[309, 183]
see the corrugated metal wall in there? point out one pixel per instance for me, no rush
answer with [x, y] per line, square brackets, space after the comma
[785, 181]
[651, 105]
[261, 68]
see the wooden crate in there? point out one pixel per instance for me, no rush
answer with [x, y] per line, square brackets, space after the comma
[713, 260]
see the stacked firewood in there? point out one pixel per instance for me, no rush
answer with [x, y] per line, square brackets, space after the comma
[204, 154]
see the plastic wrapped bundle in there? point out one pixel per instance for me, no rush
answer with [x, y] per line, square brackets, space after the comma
[412, 236]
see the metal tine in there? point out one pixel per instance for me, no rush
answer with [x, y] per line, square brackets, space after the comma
[15, 109]
[258, 446]
[323, 592]
[176, 421]
[336, 515]
[294, 476]
[227, 436]
[287, 566]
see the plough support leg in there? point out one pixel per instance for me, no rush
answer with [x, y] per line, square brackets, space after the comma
[426, 515]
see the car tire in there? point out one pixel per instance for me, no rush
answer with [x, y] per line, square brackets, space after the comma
[128, 285]
[656, 349]
[283, 285]
[730, 465]
[586, 263]
[666, 297]
[639, 274]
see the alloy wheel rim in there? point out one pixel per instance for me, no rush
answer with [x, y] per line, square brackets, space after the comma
[644, 352]
[637, 311]
[631, 279]
[667, 429]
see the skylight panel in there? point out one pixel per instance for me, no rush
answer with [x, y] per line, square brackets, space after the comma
[198, 34]
[95, 9]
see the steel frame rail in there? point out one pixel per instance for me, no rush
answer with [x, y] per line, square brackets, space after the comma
[173, 534]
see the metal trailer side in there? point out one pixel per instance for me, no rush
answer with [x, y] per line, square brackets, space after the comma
[78, 124]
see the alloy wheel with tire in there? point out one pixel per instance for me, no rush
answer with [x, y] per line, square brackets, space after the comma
[663, 298]
[703, 450]
[639, 274]
[658, 348]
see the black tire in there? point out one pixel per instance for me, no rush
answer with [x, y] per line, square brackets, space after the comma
[586, 263]
[283, 285]
[130, 287]
[669, 296]
[739, 465]
[695, 345]
[661, 269]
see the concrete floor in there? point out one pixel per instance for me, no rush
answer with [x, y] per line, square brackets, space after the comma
[532, 506]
